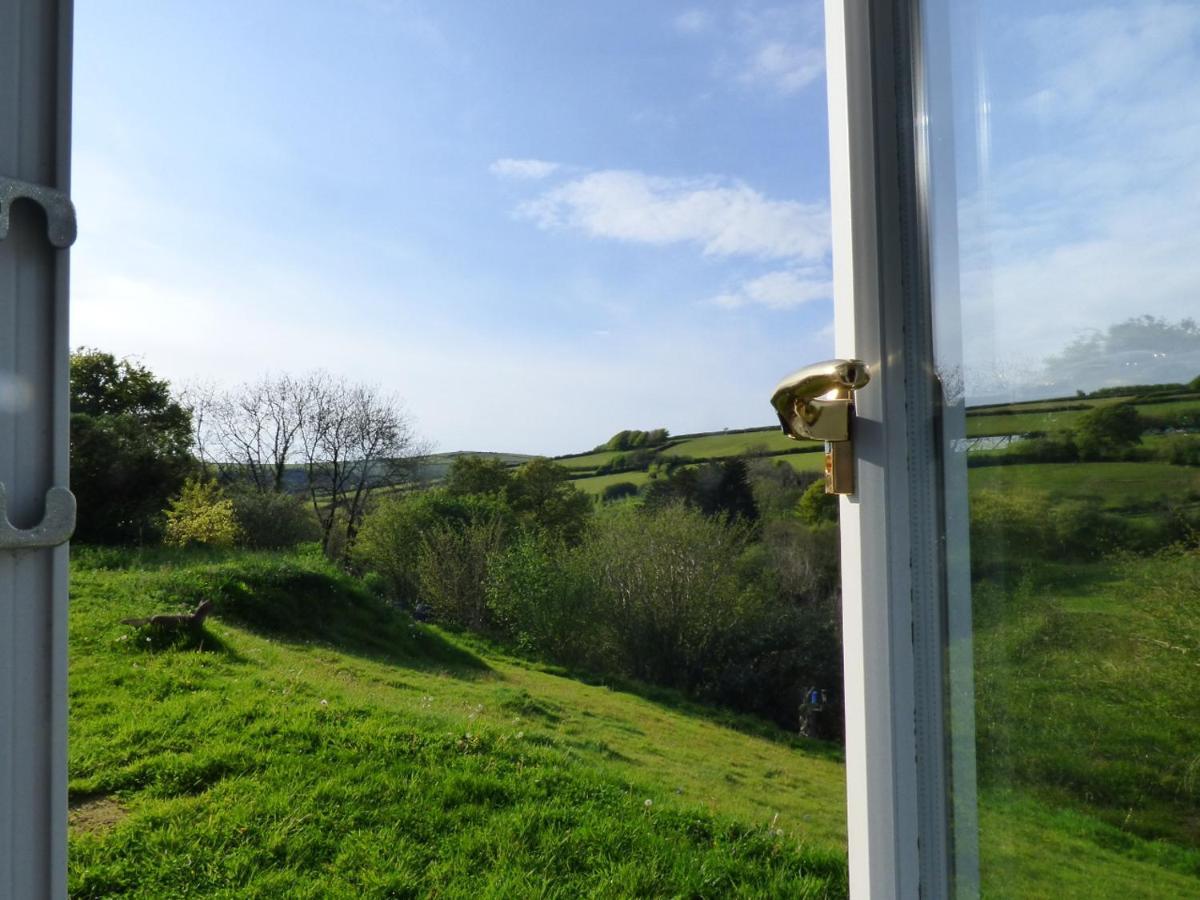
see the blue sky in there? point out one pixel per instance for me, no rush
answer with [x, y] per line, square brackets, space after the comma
[542, 222]
[537, 223]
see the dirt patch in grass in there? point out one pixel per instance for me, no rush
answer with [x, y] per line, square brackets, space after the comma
[94, 813]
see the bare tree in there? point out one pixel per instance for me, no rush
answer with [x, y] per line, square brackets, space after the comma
[201, 398]
[256, 428]
[353, 440]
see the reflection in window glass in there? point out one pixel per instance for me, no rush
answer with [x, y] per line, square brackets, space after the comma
[494, 576]
[1065, 292]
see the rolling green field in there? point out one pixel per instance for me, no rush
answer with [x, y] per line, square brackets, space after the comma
[721, 445]
[1114, 484]
[597, 484]
[390, 759]
[1026, 417]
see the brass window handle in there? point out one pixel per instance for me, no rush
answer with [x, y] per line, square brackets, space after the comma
[817, 403]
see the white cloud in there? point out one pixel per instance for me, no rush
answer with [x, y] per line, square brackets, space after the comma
[781, 49]
[784, 289]
[528, 169]
[722, 217]
[788, 68]
[693, 21]
[778, 49]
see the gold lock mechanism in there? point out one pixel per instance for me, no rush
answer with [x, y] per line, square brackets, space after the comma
[817, 403]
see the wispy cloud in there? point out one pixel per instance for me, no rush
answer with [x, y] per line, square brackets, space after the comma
[787, 68]
[784, 289]
[693, 21]
[527, 169]
[722, 217]
[776, 49]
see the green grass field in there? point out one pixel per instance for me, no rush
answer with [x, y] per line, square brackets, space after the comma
[596, 484]
[1114, 484]
[750, 442]
[388, 759]
[312, 744]
[1026, 417]
[588, 461]
[1088, 722]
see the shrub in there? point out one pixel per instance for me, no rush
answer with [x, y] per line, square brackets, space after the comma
[537, 596]
[668, 587]
[1006, 528]
[389, 542]
[452, 568]
[1182, 450]
[802, 562]
[268, 520]
[201, 514]
[1010, 528]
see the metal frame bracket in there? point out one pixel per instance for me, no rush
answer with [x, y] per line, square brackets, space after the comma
[61, 228]
[56, 527]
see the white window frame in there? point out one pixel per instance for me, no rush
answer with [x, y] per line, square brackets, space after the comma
[910, 792]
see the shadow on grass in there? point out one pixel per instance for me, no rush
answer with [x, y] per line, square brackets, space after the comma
[306, 602]
[155, 639]
[668, 698]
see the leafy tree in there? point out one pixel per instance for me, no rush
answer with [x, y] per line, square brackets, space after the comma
[201, 514]
[633, 439]
[816, 507]
[542, 495]
[1108, 431]
[130, 448]
[714, 488]
[477, 475]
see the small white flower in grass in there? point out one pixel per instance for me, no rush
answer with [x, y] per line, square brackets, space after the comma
[324, 702]
[649, 803]
[520, 734]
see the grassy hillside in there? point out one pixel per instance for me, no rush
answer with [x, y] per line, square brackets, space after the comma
[310, 743]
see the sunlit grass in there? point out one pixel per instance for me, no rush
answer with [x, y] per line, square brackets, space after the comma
[395, 762]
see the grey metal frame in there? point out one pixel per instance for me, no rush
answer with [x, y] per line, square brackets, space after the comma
[38, 510]
[898, 766]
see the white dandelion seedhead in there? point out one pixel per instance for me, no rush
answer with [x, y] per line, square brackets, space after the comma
[324, 702]
[649, 803]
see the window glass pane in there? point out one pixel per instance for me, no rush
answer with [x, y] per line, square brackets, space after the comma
[1065, 288]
